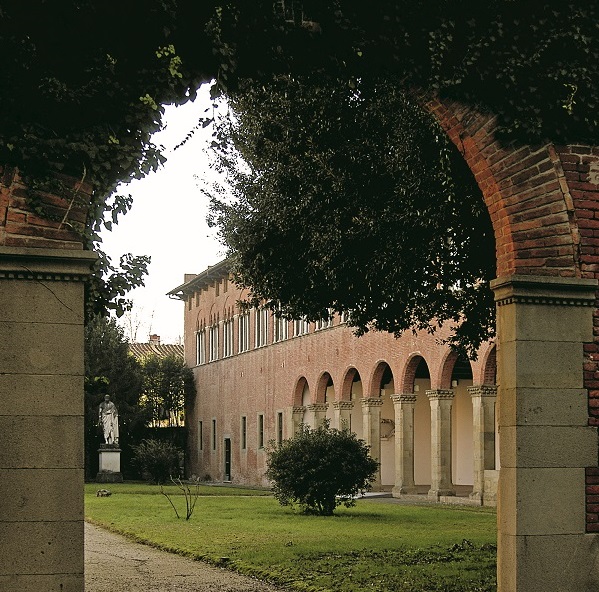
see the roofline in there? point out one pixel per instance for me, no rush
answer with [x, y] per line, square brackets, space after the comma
[202, 280]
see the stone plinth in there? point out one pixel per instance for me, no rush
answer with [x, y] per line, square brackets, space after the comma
[110, 465]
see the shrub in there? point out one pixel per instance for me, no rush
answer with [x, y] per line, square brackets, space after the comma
[158, 461]
[319, 469]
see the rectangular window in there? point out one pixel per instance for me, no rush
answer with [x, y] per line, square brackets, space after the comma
[243, 325]
[261, 327]
[217, 288]
[279, 428]
[200, 435]
[197, 299]
[244, 432]
[213, 343]
[228, 338]
[214, 434]
[281, 329]
[225, 284]
[300, 327]
[260, 431]
[189, 301]
[200, 347]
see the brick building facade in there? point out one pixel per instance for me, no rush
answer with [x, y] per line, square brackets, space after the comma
[428, 416]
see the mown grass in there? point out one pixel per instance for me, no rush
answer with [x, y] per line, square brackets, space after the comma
[374, 546]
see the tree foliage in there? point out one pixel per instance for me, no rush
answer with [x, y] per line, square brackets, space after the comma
[353, 199]
[168, 386]
[159, 461]
[320, 469]
[534, 65]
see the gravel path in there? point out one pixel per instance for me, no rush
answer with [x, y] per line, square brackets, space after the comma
[116, 564]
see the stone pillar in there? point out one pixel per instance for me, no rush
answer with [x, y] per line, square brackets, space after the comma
[342, 410]
[483, 426]
[404, 444]
[41, 418]
[319, 411]
[297, 419]
[441, 401]
[545, 440]
[371, 431]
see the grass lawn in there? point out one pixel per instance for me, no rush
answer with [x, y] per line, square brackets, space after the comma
[373, 546]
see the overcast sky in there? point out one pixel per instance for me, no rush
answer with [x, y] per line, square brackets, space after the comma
[168, 222]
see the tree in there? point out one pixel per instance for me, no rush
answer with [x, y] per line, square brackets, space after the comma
[168, 386]
[353, 199]
[110, 370]
[320, 469]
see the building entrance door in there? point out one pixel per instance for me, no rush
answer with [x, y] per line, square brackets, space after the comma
[227, 459]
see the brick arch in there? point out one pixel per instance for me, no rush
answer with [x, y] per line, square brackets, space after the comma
[409, 372]
[525, 191]
[348, 379]
[447, 363]
[489, 366]
[298, 391]
[374, 384]
[321, 386]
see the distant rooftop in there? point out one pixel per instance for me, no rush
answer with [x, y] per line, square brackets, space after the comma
[193, 283]
[155, 348]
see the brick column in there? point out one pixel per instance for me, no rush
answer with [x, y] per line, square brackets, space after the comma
[41, 418]
[342, 411]
[371, 430]
[441, 402]
[319, 411]
[545, 440]
[483, 426]
[404, 444]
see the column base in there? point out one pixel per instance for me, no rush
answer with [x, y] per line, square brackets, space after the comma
[436, 494]
[404, 490]
[476, 496]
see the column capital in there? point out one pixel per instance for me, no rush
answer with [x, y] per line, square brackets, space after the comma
[482, 390]
[298, 409]
[440, 395]
[372, 402]
[403, 398]
[343, 405]
[530, 289]
[26, 263]
[317, 407]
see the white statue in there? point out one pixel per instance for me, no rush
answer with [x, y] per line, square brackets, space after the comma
[109, 420]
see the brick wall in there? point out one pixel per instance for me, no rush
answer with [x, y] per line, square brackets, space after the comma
[21, 227]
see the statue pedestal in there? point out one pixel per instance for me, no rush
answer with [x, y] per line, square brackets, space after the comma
[110, 464]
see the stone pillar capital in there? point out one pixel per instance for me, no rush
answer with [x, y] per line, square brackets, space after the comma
[482, 390]
[343, 405]
[403, 399]
[316, 407]
[440, 395]
[300, 409]
[372, 402]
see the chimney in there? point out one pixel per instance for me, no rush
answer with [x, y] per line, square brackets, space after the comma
[154, 339]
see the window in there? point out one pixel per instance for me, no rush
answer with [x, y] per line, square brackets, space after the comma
[281, 329]
[201, 347]
[228, 338]
[189, 301]
[225, 284]
[213, 343]
[300, 327]
[197, 299]
[214, 434]
[260, 431]
[200, 435]
[244, 332]
[279, 428]
[324, 322]
[244, 432]
[217, 287]
[261, 327]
